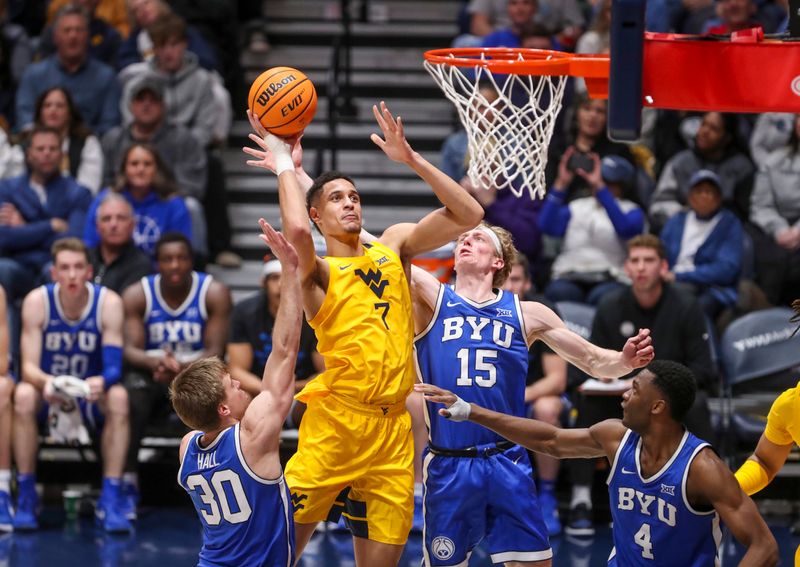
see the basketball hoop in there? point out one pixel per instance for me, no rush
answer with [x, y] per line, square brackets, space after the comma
[508, 138]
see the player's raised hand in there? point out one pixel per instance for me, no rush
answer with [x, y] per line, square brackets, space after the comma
[393, 143]
[283, 250]
[638, 350]
[271, 146]
[455, 408]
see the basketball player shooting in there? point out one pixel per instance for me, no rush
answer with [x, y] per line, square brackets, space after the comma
[358, 301]
[669, 490]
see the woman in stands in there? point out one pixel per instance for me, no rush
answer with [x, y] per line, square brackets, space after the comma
[83, 156]
[149, 187]
[775, 212]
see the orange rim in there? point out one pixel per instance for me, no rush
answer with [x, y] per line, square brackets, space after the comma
[521, 61]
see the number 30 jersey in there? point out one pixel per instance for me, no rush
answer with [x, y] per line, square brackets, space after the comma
[247, 520]
[72, 347]
[479, 352]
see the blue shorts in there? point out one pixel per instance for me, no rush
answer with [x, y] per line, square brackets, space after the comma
[467, 500]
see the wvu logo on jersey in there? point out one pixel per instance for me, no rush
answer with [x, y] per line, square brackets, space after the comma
[297, 500]
[374, 280]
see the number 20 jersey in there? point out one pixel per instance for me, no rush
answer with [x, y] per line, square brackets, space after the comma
[72, 347]
[480, 353]
[247, 520]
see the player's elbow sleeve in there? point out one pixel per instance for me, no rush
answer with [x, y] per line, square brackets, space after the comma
[112, 365]
[752, 477]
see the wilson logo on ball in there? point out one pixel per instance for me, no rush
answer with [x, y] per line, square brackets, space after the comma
[274, 88]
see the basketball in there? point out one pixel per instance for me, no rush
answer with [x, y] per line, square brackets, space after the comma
[284, 100]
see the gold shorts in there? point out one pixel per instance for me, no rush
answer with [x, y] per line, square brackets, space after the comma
[357, 460]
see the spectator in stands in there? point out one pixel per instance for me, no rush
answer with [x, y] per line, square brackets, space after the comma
[139, 45]
[587, 135]
[115, 12]
[775, 213]
[92, 84]
[594, 229]
[116, 262]
[149, 187]
[12, 157]
[771, 132]
[104, 40]
[6, 389]
[520, 18]
[716, 149]
[82, 154]
[16, 54]
[176, 145]
[172, 318]
[704, 246]
[545, 385]
[195, 97]
[250, 341]
[597, 39]
[74, 328]
[36, 209]
[678, 328]
[486, 16]
[733, 15]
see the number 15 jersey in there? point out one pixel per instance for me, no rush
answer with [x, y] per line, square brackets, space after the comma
[480, 353]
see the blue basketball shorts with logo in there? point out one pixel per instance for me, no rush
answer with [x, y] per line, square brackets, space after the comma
[491, 499]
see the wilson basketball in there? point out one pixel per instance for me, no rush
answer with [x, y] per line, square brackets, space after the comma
[284, 100]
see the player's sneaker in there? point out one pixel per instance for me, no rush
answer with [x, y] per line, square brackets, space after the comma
[416, 524]
[549, 507]
[130, 500]
[109, 510]
[580, 521]
[6, 512]
[25, 516]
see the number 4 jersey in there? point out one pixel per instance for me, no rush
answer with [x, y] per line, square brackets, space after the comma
[247, 520]
[654, 524]
[72, 347]
[479, 352]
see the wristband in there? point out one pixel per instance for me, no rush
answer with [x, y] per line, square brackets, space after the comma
[459, 411]
[283, 162]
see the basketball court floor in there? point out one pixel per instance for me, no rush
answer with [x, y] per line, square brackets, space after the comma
[170, 537]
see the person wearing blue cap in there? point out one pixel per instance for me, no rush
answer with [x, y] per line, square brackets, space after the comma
[704, 246]
[593, 229]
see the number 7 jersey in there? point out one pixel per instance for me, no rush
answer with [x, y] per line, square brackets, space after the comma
[479, 352]
[247, 520]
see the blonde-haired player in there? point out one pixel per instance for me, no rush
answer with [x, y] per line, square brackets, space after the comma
[355, 448]
[781, 433]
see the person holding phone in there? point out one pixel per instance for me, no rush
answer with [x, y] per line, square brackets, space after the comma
[593, 229]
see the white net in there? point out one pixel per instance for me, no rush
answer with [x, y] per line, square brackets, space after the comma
[508, 137]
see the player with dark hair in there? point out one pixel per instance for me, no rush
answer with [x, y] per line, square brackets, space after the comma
[355, 445]
[781, 433]
[172, 318]
[230, 464]
[668, 489]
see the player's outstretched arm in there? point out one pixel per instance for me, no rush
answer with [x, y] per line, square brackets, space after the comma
[460, 212]
[275, 155]
[773, 447]
[601, 440]
[542, 323]
[265, 415]
[712, 483]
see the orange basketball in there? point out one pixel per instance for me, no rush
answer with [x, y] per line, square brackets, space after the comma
[284, 100]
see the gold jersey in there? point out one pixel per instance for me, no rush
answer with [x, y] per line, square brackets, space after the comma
[365, 330]
[783, 423]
